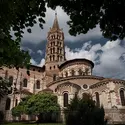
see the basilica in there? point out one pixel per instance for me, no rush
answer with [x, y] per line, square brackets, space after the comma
[63, 78]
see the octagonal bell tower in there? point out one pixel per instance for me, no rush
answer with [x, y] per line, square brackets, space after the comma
[55, 52]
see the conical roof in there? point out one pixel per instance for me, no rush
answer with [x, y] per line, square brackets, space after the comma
[55, 24]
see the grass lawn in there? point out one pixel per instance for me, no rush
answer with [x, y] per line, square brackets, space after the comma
[34, 124]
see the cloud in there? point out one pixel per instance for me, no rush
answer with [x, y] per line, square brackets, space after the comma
[107, 58]
[40, 52]
[42, 62]
[87, 51]
[33, 62]
[38, 34]
[27, 49]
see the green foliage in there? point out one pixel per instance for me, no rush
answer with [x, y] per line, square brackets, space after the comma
[21, 107]
[84, 112]
[39, 103]
[42, 105]
[5, 87]
[16, 15]
[86, 14]
[18, 110]
[11, 55]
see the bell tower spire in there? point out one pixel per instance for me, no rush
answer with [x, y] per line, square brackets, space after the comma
[55, 24]
[55, 52]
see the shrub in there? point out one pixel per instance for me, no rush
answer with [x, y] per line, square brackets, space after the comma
[83, 111]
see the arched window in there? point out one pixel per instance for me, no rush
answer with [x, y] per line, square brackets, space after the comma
[53, 50]
[53, 57]
[50, 58]
[58, 57]
[122, 97]
[65, 99]
[16, 102]
[97, 99]
[8, 101]
[57, 50]
[72, 72]
[85, 95]
[80, 72]
[86, 71]
[54, 67]
[66, 73]
[37, 84]
[54, 77]
[25, 82]
[11, 80]
[54, 43]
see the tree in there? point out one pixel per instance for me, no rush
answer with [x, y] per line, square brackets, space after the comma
[44, 106]
[5, 87]
[16, 15]
[86, 14]
[83, 111]
[21, 107]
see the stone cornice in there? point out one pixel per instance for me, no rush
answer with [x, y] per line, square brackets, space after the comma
[76, 61]
[75, 77]
[106, 81]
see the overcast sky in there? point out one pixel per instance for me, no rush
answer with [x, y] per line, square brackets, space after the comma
[109, 57]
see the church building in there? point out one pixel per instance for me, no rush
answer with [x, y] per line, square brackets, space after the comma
[64, 78]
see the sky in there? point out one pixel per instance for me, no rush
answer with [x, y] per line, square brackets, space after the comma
[108, 56]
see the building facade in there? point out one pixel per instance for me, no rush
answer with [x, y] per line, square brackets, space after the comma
[64, 78]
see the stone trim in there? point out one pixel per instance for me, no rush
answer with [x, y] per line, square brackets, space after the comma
[96, 85]
[74, 77]
[76, 61]
[69, 84]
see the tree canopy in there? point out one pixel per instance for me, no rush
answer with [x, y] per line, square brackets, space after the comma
[39, 105]
[5, 87]
[86, 14]
[17, 15]
[83, 111]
